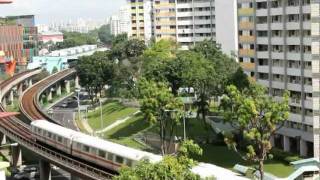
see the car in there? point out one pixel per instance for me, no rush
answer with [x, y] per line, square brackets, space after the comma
[64, 105]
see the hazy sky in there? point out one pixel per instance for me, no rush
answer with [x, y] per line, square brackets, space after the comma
[47, 11]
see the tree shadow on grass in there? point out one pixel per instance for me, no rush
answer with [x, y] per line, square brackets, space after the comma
[135, 127]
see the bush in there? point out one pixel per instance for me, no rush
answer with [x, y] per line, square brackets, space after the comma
[283, 156]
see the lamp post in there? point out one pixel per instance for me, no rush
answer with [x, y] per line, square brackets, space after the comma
[101, 121]
[78, 99]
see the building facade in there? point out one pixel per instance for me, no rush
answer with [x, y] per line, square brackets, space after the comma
[279, 47]
[120, 23]
[141, 19]
[184, 21]
[30, 37]
[11, 47]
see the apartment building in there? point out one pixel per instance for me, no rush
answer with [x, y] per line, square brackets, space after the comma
[120, 22]
[279, 47]
[141, 19]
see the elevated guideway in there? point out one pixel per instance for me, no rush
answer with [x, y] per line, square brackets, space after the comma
[19, 132]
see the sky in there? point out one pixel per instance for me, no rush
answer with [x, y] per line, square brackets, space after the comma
[47, 11]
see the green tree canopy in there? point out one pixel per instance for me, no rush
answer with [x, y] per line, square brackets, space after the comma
[170, 168]
[257, 117]
[104, 34]
[161, 108]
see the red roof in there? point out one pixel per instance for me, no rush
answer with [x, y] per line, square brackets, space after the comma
[5, 1]
[7, 114]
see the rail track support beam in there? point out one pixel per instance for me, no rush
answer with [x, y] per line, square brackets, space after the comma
[30, 83]
[11, 97]
[49, 96]
[3, 139]
[67, 86]
[59, 89]
[76, 82]
[20, 89]
[45, 170]
[16, 156]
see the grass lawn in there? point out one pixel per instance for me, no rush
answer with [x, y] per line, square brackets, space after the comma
[111, 111]
[123, 133]
[222, 156]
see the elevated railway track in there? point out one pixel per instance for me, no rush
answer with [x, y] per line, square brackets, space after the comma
[20, 132]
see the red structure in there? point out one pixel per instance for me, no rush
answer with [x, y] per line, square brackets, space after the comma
[11, 46]
[5, 2]
[7, 114]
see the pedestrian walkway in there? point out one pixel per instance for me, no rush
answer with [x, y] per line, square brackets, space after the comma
[117, 123]
[86, 126]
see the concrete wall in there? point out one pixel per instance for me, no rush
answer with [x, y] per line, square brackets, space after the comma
[226, 25]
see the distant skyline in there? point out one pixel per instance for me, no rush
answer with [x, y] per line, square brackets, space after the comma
[47, 11]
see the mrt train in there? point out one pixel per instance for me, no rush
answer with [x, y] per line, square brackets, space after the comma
[108, 154]
[104, 153]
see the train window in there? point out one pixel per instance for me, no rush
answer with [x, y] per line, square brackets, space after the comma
[49, 134]
[102, 154]
[110, 156]
[86, 148]
[39, 131]
[119, 159]
[53, 136]
[129, 163]
[93, 151]
[59, 139]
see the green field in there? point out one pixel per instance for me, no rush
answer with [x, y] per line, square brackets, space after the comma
[123, 134]
[215, 154]
[111, 112]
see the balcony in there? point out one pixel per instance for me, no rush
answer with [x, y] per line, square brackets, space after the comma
[263, 69]
[245, 12]
[247, 52]
[246, 39]
[165, 14]
[246, 25]
[248, 66]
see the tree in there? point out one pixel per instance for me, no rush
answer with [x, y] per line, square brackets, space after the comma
[161, 108]
[95, 72]
[104, 34]
[257, 117]
[225, 66]
[54, 70]
[170, 168]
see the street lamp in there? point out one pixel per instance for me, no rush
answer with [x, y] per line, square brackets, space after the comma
[78, 99]
[101, 121]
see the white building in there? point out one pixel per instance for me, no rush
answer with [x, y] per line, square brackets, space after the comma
[120, 23]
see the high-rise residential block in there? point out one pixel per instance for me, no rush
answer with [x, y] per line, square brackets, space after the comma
[120, 22]
[141, 19]
[279, 47]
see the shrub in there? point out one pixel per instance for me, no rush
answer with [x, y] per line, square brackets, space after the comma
[286, 157]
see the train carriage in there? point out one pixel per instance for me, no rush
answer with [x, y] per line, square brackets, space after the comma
[109, 154]
[53, 135]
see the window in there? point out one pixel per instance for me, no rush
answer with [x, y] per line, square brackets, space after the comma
[129, 162]
[49, 135]
[60, 139]
[86, 148]
[110, 156]
[102, 154]
[119, 159]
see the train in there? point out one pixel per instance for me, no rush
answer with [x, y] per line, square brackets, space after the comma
[98, 151]
[108, 154]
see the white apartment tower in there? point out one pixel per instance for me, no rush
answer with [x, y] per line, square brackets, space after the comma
[279, 47]
[185, 21]
[121, 23]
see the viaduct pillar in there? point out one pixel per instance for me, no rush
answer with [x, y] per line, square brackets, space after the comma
[45, 170]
